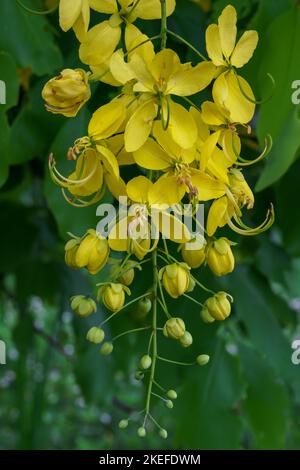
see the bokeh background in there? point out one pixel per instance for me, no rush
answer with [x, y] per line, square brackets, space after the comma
[56, 391]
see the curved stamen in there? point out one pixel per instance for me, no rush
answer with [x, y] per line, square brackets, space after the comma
[248, 98]
[264, 154]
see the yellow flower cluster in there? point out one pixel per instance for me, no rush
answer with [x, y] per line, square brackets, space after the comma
[185, 153]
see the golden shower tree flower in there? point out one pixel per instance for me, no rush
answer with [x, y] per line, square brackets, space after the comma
[230, 89]
[102, 40]
[67, 93]
[155, 79]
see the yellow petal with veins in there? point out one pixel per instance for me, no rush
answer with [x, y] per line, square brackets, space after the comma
[99, 43]
[133, 39]
[192, 80]
[152, 157]
[208, 149]
[115, 185]
[104, 6]
[138, 189]
[69, 11]
[244, 49]
[212, 115]
[213, 45]
[109, 161]
[167, 190]
[208, 187]
[139, 126]
[170, 226]
[151, 9]
[216, 215]
[228, 30]
[182, 126]
[107, 120]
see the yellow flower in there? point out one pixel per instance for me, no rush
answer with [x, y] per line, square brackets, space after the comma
[230, 90]
[101, 41]
[155, 78]
[71, 248]
[95, 335]
[113, 296]
[219, 257]
[67, 93]
[180, 177]
[92, 253]
[96, 162]
[175, 278]
[133, 233]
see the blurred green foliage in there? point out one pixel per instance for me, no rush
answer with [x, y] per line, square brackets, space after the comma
[57, 392]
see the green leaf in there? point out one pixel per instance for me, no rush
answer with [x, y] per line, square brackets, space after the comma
[267, 402]
[284, 151]
[206, 411]
[34, 128]
[28, 38]
[279, 57]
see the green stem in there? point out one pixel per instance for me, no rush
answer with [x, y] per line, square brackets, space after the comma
[136, 330]
[193, 300]
[124, 306]
[164, 28]
[176, 362]
[154, 338]
[37, 12]
[187, 44]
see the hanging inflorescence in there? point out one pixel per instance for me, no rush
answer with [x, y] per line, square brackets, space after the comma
[185, 154]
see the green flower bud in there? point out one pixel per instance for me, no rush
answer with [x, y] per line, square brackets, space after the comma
[172, 394]
[174, 328]
[169, 404]
[163, 433]
[141, 432]
[83, 306]
[186, 340]
[123, 424]
[144, 306]
[106, 349]
[145, 362]
[219, 306]
[95, 335]
[203, 359]
[175, 278]
[220, 258]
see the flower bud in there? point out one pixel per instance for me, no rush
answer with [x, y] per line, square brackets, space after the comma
[127, 276]
[106, 349]
[113, 295]
[186, 340]
[143, 307]
[206, 316]
[71, 248]
[95, 335]
[163, 433]
[139, 247]
[240, 189]
[92, 253]
[67, 93]
[203, 359]
[83, 306]
[123, 424]
[192, 284]
[174, 328]
[218, 306]
[175, 278]
[141, 432]
[172, 394]
[145, 362]
[169, 404]
[194, 252]
[220, 258]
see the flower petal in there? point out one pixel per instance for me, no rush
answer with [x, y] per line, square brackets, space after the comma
[118, 237]
[244, 49]
[69, 11]
[116, 186]
[138, 189]
[167, 190]
[152, 157]
[227, 30]
[216, 215]
[104, 6]
[208, 148]
[182, 126]
[117, 146]
[139, 126]
[134, 37]
[109, 161]
[165, 140]
[213, 45]
[192, 80]
[203, 130]
[170, 226]
[99, 43]
[212, 115]
[164, 65]
[208, 187]
[151, 9]
[107, 120]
